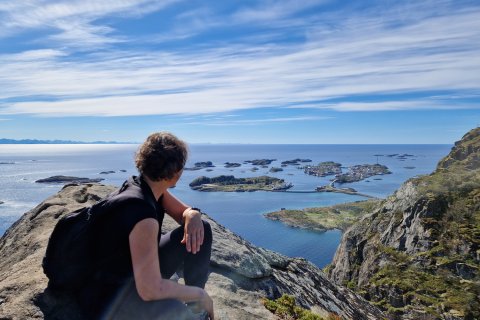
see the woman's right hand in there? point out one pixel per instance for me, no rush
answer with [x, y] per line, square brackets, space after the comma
[207, 304]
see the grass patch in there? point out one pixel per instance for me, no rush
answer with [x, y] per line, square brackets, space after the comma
[286, 308]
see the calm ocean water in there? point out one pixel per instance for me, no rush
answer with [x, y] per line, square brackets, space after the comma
[21, 165]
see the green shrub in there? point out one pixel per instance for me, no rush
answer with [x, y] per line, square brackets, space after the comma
[286, 308]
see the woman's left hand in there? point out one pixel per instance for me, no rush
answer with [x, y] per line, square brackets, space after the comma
[193, 234]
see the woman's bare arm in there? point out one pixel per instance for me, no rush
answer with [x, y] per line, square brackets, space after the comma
[183, 214]
[146, 269]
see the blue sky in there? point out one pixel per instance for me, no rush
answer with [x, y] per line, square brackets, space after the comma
[310, 71]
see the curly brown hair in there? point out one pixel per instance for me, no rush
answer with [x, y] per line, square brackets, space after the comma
[161, 156]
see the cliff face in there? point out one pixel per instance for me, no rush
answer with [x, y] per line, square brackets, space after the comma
[417, 255]
[241, 274]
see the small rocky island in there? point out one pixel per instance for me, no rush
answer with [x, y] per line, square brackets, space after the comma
[107, 172]
[232, 184]
[232, 165]
[260, 162]
[295, 162]
[68, 179]
[201, 165]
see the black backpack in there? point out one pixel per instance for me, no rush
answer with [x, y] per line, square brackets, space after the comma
[68, 261]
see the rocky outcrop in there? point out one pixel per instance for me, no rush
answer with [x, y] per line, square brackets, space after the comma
[241, 274]
[417, 254]
[465, 151]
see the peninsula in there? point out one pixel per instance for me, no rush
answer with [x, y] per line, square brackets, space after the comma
[232, 184]
[340, 216]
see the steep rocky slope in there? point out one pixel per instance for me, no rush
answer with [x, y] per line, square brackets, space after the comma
[417, 255]
[241, 273]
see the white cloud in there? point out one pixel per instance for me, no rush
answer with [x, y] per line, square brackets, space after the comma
[222, 122]
[362, 55]
[72, 22]
[269, 11]
[391, 105]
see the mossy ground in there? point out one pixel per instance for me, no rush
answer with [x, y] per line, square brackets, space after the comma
[286, 308]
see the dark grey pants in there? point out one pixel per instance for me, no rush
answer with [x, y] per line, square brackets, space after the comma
[128, 304]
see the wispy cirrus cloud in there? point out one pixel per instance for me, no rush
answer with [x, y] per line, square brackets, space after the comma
[72, 23]
[361, 55]
[253, 122]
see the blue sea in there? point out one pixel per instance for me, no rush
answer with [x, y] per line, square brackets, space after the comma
[243, 213]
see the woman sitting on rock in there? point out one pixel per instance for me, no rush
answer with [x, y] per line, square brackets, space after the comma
[132, 282]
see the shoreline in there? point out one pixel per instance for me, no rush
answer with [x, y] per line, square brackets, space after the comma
[217, 188]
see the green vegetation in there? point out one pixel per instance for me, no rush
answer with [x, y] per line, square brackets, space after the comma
[286, 308]
[459, 171]
[438, 292]
[436, 283]
[442, 276]
[339, 216]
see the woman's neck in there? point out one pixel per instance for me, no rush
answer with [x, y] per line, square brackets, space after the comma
[157, 187]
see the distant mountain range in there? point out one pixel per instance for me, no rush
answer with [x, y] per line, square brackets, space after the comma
[35, 141]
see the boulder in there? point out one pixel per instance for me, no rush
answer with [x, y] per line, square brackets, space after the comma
[241, 273]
